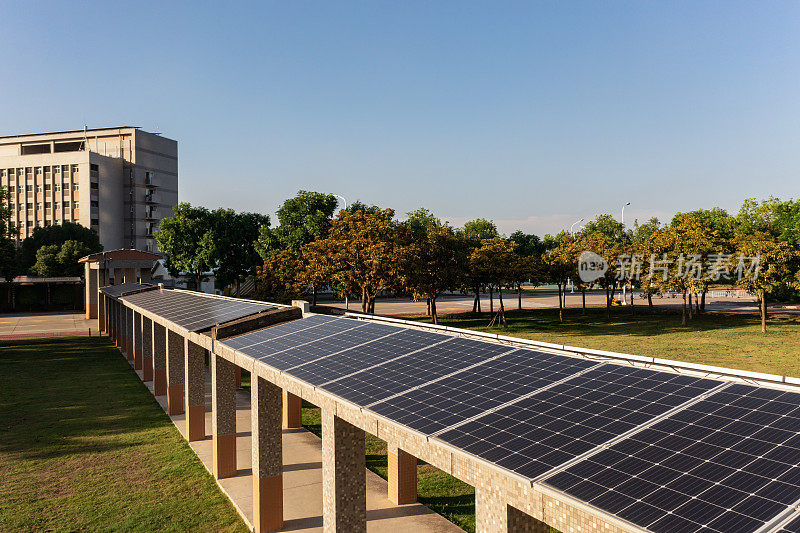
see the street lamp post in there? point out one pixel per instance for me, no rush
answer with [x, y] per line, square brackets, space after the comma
[624, 286]
[573, 225]
[346, 299]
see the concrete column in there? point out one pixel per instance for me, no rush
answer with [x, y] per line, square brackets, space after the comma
[194, 377]
[238, 376]
[101, 312]
[118, 325]
[402, 474]
[90, 275]
[129, 333]
[130, 275]
[491, 512]
[291, 411]
[147, 349]
[137, 341]
[176, 353]
[223, 417]
[267, 454]
[344, 492]
[112, 333]
[159, 360]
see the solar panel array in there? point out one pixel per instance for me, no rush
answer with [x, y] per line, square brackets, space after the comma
[115, 291]
[193, 311]
[664, 451]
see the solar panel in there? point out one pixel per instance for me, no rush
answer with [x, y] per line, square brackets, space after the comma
[365, 356]
[538, 433]
[314, 343]
[791, 527]
[194, 311]
[399, 375]
[453, 399]
[115, 291]
[284, 329]
[726, 463]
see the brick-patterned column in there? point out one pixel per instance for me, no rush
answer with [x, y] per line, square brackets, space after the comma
[147, 349]
[402, 476]
[129, 333]
[137, 341]
[223, 417]
[519, 522]
[176, 353]
[344, 492]
[194, 377]
[110, 309]
[291, 411]
[491, 513]
[118, 325]
[159, 360]
[267, 454]
[101, 312]
[238, 376]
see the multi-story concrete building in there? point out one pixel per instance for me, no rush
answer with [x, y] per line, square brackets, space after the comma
[118, 181]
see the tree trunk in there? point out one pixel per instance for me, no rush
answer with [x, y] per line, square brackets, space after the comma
[763, 311]
[519, 296]
[560, 304]
[428, 302]
[476, 304]
[314, 295]
[491, 299]
[703, 300]
[683, 309]
[696, 304]
[583, 301]
[633, 309]
[650, 301]
[608, 302]
[690, 306]
[502, 310]
[372, 305]
[363, 299]
[432, 307]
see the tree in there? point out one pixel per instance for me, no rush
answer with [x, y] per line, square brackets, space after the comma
[493, 261]
[278, 277]
[528, 265]
[642, 245]
[475, 231]
[434, 258]
[560, 262]
[53, 260]
[233, 237]
[364, 251]
[57, 234]
[187, 239]
[8, 262]
[303, 219]
[775, 266]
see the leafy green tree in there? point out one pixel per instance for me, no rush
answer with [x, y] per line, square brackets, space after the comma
[233, 237]
[493, 260]
[475, 231]
[187, 239]
[364, 251]
[57, 234]
[561, 262]
[303, 218]
[480, 229]
[528, 265]
[54, 260]
[434, 258]
[776, 263]
[8, 259]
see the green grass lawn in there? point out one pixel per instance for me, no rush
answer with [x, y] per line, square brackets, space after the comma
[85, 446]
[732, 340]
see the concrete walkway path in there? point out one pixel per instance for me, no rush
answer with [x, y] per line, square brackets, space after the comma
[302, 479]
[20, 325]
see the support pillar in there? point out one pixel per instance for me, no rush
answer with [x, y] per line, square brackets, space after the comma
[128, 315]
[519, 522]
[491, 512]
[194, 377]
[223, 417]
[344, 491]
[238, 374]
[112, 333]
[402, 476]
[159, 360]
[267, 455]
[137, 341]
[91, 296]
[101, 313]
[175, 372]
[147, 349]
[291, 411]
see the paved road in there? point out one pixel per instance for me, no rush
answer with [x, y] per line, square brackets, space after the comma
[45, 324]
[460, 304]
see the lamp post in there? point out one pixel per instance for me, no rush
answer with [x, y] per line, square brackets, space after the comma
[346, 299]
[624, 286]
[573, 225]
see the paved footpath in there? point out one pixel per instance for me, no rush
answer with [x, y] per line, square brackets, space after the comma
[20, 325]
[302, 479]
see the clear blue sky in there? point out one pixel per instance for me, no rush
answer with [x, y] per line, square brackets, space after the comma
[531, 114]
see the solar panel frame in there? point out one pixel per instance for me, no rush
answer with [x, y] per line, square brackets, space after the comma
[436, 406]
[116, 291]
[250, 340]
[413, 370]
[194, 311]
[709, 452]
[547, 429]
